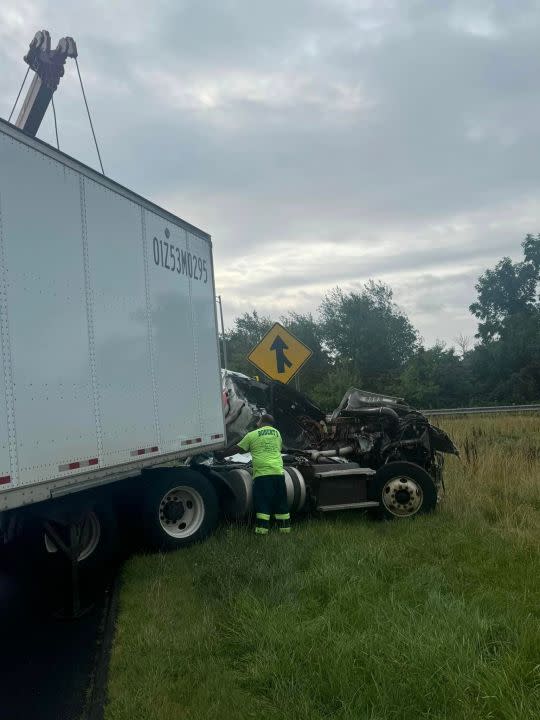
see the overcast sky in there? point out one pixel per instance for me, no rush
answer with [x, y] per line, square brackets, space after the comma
[320, 142]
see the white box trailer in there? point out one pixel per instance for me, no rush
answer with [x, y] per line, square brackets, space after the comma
[110, 357]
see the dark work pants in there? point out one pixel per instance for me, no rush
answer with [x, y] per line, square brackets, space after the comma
[270, 498]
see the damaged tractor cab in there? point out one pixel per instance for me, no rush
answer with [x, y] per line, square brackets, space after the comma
[374, 451]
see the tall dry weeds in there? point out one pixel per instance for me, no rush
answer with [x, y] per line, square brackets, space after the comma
[497, 479]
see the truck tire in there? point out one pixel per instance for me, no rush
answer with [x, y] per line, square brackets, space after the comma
[403, 490]
[180, 507]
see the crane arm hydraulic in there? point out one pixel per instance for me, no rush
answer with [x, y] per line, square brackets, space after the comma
[48, 66]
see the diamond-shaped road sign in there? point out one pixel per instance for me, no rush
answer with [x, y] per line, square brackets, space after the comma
[279, 354]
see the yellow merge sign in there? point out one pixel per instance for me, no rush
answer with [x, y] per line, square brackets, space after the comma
[279, 354]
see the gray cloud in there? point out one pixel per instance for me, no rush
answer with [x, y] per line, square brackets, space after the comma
[321, 142]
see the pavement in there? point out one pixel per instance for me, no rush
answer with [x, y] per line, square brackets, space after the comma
[52, 668]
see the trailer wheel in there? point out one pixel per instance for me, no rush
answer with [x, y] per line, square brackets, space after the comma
[180, 508]
[404, 489]
[98, 538]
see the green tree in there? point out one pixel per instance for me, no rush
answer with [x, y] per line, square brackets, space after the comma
[507, 370]
[329, 392]
[436, 377]
[368, 333]
[508, 291]
[506, 364]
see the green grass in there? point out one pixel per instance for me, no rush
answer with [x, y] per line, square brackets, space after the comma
[348, 618]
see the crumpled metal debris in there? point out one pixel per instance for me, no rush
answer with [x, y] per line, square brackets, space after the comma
[245, 400]
[371, 429]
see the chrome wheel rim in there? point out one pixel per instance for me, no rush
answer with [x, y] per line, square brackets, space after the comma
[181, 512]
[402, 496]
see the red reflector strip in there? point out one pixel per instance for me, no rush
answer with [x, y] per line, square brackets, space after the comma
[193, 441]
[144, 451]
[216, 437]
[78, 464]
[5, 479]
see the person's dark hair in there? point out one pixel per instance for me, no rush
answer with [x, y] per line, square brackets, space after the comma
[266, 419]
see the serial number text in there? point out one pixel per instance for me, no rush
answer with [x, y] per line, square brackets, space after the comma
[183, 262]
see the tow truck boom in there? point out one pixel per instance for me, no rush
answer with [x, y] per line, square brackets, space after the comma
[48, 66]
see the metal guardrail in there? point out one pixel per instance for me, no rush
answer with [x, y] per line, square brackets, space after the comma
[491, 409]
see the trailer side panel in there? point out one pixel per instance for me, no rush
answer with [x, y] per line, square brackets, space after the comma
[42, 239]
[108, 327]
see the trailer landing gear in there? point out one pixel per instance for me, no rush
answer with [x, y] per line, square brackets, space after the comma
[72, 547]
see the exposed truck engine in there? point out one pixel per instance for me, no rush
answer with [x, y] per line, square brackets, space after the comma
[374, 451]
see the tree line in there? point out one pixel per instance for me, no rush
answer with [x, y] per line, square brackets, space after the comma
[363, 339]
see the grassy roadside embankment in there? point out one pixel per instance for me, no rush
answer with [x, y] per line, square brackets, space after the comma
[346, 618]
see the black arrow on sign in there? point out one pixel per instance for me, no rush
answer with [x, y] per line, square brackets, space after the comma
[280, 346]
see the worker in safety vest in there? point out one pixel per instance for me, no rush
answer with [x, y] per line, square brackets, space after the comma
[269, 490]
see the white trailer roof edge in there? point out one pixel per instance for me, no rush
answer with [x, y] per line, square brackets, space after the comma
[52, 152]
